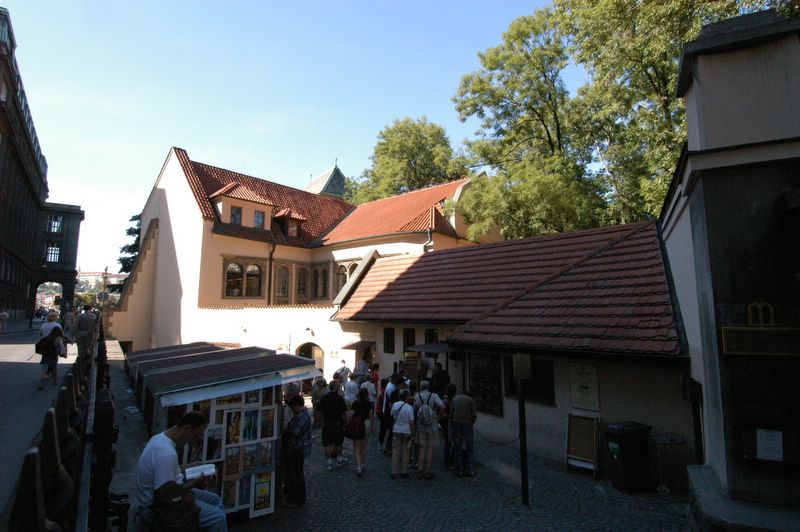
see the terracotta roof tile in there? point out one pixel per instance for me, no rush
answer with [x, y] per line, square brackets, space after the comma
[626, 310]
[457, 285]
[320, 212]
[415, 211]
[239, 191]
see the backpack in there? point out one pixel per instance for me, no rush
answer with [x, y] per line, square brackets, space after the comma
[174, 509]
[426, 417]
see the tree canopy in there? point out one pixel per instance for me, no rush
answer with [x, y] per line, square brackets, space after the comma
[410, 154]
[603, 155]
[130, 251]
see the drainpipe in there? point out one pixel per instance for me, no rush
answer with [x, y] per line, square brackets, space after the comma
[269, 279]
[430, 240]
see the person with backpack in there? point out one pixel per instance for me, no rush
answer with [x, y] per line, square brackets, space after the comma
[51, 346]
[427, 406]
[158, 465]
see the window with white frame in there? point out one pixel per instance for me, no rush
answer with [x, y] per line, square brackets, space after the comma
[55, 223]
[53, 253]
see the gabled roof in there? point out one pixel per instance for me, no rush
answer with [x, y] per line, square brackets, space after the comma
[616, 300]
[600, 289]
[415, 211]
[320, 212]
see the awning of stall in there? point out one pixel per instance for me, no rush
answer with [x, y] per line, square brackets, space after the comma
[228, 376]
[361, 344]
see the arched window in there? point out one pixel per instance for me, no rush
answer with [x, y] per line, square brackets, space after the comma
[352, 269]
[341, 278]
[282, 282]
[324, 282]
[233, 280]
[302, 283]
[253, 281]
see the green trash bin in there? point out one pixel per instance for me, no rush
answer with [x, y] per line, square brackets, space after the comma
[627, 448]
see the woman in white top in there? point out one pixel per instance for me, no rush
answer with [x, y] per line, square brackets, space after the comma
[402, 414]
[51, 329]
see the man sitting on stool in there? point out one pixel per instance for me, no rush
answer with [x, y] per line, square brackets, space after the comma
[159, 464]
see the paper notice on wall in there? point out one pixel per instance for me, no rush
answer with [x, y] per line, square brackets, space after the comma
[583, 387]
[769, 445]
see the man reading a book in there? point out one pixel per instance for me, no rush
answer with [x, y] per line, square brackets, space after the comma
[158, 464]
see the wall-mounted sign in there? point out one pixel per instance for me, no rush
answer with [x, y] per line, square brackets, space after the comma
[583, 387]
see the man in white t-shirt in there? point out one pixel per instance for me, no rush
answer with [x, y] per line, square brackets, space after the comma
[158, 464]
[351, 390]
[402, 430]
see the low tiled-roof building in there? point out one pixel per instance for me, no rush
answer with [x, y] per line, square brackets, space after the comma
[592, 311]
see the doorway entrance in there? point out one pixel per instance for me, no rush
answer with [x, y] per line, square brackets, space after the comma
[312, 352]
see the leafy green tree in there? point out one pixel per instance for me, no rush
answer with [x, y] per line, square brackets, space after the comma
[130, 251]
[617, 139]
[542, 184]
[630, 117]
[409, 155]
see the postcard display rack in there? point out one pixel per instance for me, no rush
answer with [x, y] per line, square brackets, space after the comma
[241, 443]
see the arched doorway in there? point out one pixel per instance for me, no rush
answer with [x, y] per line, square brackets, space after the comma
[48, 297]
[315, 353]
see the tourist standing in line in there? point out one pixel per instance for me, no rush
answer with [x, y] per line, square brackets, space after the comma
[427, 406]
[296, 448]
[402, 430]
[362, 410]
[444, 422]
[351, 390]
[462, 419]
[334, 412]
[320, 389]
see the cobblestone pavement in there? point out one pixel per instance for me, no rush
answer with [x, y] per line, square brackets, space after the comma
[339, 500]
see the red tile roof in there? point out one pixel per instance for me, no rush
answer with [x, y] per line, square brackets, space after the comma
[615, 300]
[415, 211]
[239, 191]
[595, 290]
[320, 212]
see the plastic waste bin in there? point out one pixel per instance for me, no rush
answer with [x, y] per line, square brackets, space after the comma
[627, 448]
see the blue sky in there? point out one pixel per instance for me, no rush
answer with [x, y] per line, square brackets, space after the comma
[278, 90]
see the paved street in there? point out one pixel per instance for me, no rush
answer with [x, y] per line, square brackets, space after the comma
[339, 500]
[23, 406]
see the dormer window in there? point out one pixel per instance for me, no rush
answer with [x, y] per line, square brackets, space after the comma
[291, 227]
[236, 216]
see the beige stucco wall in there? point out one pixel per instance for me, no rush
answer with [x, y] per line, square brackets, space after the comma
[732, 91]
[645, 393]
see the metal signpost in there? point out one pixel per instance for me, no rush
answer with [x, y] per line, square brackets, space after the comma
[522, 370]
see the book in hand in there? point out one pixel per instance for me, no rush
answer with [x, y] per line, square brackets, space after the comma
[207, 470]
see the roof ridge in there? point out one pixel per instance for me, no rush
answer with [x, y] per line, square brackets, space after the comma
[417, 191]
[558, 273]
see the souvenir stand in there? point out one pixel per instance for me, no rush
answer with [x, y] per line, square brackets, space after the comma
[133, 359]
[147, 368]
[241, 398]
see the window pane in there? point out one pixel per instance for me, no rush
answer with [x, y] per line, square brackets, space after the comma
[302, 283]
[409, 338]
[54, 223]
[258, 220]
[484, 383]
[236, 215]
[314, 283]
[233, 280]
[253, 281]
[540, 388]
[53, 252]
[324, 282]
[341, 278]
[352, 269]
[282, 289]
[431, 336]
[388, 340]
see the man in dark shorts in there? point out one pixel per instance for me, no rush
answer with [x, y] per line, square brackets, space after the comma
[334, 412]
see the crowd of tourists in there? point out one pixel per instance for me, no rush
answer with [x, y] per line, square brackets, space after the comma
[409, 419]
